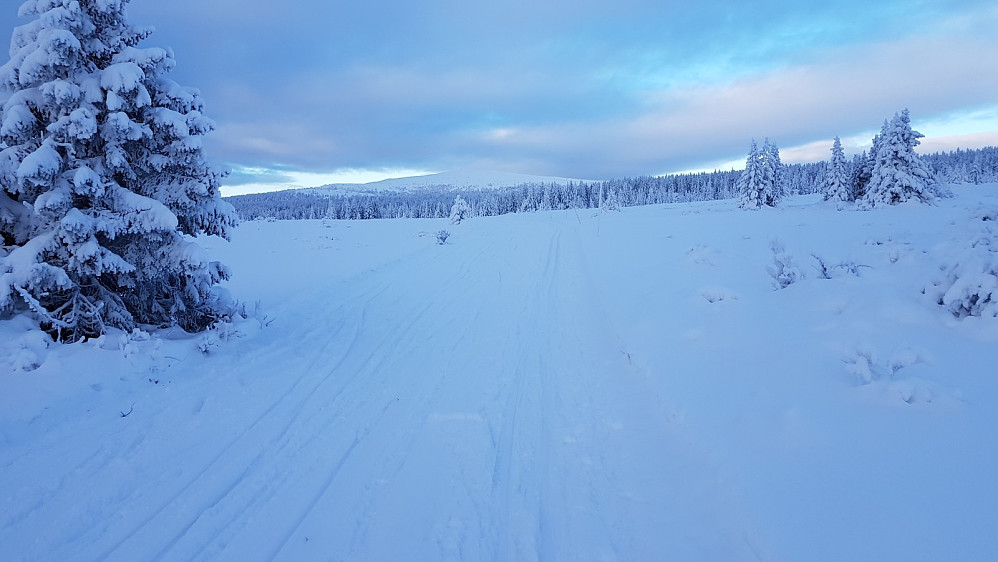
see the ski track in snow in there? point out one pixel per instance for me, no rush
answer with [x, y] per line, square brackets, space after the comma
[481, 400]
[539, 419]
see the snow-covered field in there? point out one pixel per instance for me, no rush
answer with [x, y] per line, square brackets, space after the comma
[555, 386]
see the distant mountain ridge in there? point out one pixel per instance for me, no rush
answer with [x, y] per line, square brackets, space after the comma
[456, 180]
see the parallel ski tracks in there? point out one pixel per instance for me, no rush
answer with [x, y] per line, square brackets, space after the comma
[361, 380]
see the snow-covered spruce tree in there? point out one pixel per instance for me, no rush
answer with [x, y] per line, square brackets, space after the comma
[837, 184]
[103, 178]
[773, 171]
[856, 175]
[460, 210]
[761, 183]
[899, 174]
[750, 183]
[867, 161]
[612, 202]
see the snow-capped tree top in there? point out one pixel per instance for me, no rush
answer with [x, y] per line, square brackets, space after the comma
[68, 34]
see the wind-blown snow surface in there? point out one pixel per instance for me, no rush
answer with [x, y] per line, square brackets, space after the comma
[553, 386]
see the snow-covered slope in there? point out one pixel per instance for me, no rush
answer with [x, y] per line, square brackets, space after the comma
[555, 386]
[455, 180]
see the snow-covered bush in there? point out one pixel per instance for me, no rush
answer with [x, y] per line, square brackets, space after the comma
[442, 236]
[783, 271]
[985, 213]
[969, 286]
[829, 270]
[460, 210]
[869, 368]
[22, 347]
[103, 178]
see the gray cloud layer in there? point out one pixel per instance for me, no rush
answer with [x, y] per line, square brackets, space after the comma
[585, 88]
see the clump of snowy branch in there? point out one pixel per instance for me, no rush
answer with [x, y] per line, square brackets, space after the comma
[442, 237]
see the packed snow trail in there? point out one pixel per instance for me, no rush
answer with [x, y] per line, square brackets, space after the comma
[482, 421]
[463, 402]
[546, 386]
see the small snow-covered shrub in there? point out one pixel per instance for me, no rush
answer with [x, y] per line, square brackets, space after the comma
[985, 213]
[460, 210]
[219, 333]
[260, 315]
[829, 270]
[22, 349]
[701, 255]
[783, 271]
[867, 367]
[969, 287]
[862, 367]
[715, 294]
[442, 236]
[209, 342]
[884, 381]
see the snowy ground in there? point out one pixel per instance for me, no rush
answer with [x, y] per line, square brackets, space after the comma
[552, 386]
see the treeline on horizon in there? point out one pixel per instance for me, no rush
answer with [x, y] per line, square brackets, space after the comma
[961, 166]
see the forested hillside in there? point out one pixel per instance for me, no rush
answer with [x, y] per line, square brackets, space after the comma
[962, 166]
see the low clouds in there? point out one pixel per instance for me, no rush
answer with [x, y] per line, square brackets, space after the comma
[587, 88]
[800, 107]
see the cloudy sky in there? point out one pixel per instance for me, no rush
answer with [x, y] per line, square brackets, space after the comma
[307, 92]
